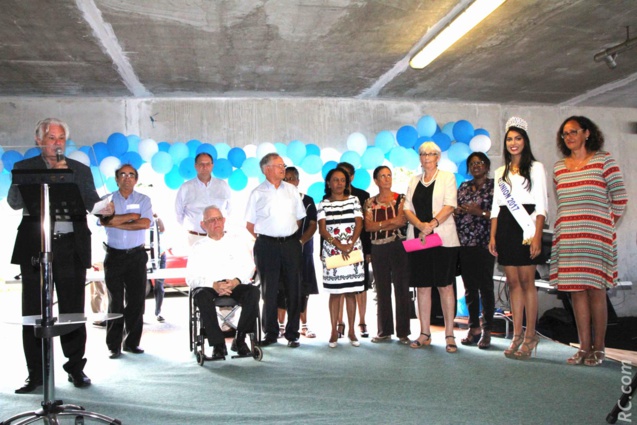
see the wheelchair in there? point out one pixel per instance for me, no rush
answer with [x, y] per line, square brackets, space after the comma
[197, 333]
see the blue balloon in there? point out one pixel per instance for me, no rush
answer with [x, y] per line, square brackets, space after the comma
[372, 158]
[459, 179]
[236, 156]
[32, 152]
[163, 146]
[442, 140]
[327, 167]
[463, 131]
[281, 148]
[192, 147]
[133, 142]
[316, 191]
[98, 180]
[362, 179]
[5, 184]
[238, 180]
[481, 131]
[426, 126]
[173, 179]
[459, 152]
[462, 168]
[385, 141]
[353, 158]
[398, 156]
[101, 152]
[422, 140]
[413, 159]
[407, 136]
[111, 184]
[178, 151]
[312, 149]
[117, 144]
[296, 151]
[88, 150]
[132, 158]
[9, 158]
[209, 149]
[187, 168]
[222, 150]
[162, 162]
[222, 169]
[448, 129]
[312, 164]
[251, 167]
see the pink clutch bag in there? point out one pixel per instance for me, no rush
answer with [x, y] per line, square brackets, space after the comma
[431, 241]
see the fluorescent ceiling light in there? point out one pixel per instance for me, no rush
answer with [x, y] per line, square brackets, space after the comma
[461, 25]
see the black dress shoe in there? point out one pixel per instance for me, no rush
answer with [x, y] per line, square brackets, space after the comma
[239, 345]
[294, 343]
[266, 342]
[29, 386]
[79, 379]
[115, 354]
[219, 351]
[134, 350]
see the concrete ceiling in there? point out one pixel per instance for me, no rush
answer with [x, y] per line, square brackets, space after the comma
[526, 52]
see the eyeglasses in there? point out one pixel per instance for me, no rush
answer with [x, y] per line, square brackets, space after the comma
[129, 175]
[290, 179]
[571, 133]
[277, 165]
[474, 163]
[213, 220]
[429, 154]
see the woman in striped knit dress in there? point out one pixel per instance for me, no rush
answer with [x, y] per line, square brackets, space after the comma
[591, 198]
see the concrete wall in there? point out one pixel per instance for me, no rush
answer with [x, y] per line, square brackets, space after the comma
[325, 122]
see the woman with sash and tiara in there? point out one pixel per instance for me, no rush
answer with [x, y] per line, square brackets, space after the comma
[517, 218]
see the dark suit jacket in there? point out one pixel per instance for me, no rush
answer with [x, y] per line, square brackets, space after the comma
[27, 243]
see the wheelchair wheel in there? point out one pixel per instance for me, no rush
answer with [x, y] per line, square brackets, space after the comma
[257, 353]
[200, 358]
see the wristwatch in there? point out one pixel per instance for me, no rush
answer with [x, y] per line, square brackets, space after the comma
[484, 213]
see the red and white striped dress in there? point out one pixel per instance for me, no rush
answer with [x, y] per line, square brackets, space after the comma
[589, 202]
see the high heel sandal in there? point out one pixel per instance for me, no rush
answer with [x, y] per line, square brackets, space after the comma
[340, 328]
[471, 338]
[595, 358]
[577, 358]
[527, 348]
[515, 344]
[363, 329]
[451, 348]
[485, 340]
[417, 344]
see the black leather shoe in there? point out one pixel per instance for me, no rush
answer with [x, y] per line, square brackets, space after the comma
[134, 350]
[266, 342]
[294, 343]
[115, 354]
[219, 351]
[79, 379]
[29, 386]
[239, 345]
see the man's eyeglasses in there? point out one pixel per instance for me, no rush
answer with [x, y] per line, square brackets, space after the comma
[429, 154]
[277, 165]
[129, 175]
[474, 163]
[571, 133]
[213, 220]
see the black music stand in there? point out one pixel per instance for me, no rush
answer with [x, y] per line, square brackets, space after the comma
[51, 194]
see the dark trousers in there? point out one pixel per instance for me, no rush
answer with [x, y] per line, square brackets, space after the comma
[476, 265]
[390, 264]
[69, 278]
[246, 295]
[272, 259]
[125, 276]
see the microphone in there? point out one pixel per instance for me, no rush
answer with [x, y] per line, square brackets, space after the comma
[59, 156]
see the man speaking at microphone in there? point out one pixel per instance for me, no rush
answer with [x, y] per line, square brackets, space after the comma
[71, 253]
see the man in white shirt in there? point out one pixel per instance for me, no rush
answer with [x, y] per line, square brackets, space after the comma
[273, 216]
[223, 265]
[196, 194]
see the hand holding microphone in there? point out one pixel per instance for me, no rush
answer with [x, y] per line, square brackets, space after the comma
[59, 158]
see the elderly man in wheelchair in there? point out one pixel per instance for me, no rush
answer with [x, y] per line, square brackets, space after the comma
[222, 265]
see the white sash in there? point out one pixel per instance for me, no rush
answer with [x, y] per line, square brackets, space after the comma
[519, 213]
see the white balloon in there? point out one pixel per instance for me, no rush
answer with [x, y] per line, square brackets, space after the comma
[109, 165]
[447, 165]
[357, 142]
[1, 164]
[250, 150]
[265, 148]
[330, 154]
[80, 156]
[147, 148]
[480, 143]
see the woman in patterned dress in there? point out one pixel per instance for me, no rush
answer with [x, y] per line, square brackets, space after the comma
[591, 198]
[340, 221]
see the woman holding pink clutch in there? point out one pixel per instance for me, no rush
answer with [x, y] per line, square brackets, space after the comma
[429, 204]
[340, 222]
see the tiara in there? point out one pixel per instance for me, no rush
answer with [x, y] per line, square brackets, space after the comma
[517, 122]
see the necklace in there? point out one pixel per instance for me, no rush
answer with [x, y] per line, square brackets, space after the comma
[514, 170]
[579, 164]
[433, 179]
